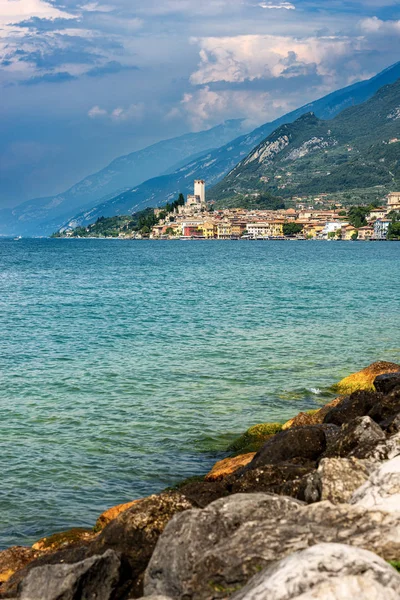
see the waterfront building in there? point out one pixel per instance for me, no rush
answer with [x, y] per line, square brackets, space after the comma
[209, 229]
[381, 227]
[348, 231]
[265, 229]
[238, 228]
[224, 230]
[366, 232]
[332, 227]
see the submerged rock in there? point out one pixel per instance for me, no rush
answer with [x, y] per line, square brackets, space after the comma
[336, 479]
[325, 572]
[364, 379]
[209, 553]
[95, 577]
[255, 437]
[228, 466]
[382, 490]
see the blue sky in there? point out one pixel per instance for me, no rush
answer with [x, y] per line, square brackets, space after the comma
[84, 81]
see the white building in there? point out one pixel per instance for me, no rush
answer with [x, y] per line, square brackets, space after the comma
[331, 227]
[381, 227]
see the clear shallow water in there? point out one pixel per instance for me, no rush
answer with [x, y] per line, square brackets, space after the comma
[128, 366]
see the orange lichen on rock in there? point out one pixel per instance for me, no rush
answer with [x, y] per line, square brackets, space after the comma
[228, 466]
[65, 539]
[112, 513]
[13, 559]
[364, 379]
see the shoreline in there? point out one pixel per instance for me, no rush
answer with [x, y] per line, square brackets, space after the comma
[290, 470]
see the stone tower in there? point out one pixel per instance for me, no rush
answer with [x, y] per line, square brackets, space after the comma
[200, 190]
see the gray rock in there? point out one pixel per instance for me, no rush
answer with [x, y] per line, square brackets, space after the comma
[359, 431]
[95, 577]
[387, 382]
[357, 404]
[326, 572]
[208, 553]
[382, 490]
[378, 451]
[336, 479]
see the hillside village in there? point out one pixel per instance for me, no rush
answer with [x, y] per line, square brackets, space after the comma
[196, 219]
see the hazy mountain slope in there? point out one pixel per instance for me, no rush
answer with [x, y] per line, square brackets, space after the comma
[217, 163]
[123, 173]
[356, 149]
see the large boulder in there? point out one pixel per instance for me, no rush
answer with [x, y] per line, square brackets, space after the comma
[359, 431]
[209, 553]
[357, 404]
[134, 534]
[336, 479]
[377, 450]
[312, 417]
[65, 539]
[307, 442]
[95, 577]
[325, 572]
[382, 490]
[283, 478]
[364, 379]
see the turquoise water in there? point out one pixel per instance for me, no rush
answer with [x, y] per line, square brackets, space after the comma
[126, 366]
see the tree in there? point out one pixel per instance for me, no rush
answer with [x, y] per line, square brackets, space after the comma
[354, 236]
[291, 229]
[331, 235]
[170, 231]
[357, 215]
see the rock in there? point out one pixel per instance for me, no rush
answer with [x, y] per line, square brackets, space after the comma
[336, 479]
[112, 513]
[272, 479]
[325, 572]
[364, 379]
[357, 404]
[312, 417]
[13, 559]
[305, 442]
[362, 430]
[228, 466]
[254, 438]
[378, 450]
[208, 553]
[392, 425]
[387, 382]
[58, 541]
[384, 411]
[134, 534]
[201, 493]
[95, 577]
[382, 490]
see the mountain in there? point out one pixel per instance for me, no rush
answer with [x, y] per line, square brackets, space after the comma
[214, 165]
[358, 151]
[123, 173]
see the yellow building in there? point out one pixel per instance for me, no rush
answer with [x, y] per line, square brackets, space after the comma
[348, 231]
[265, 229]
[224, 230]
[209, 230]
[366, 232]
[238, 228]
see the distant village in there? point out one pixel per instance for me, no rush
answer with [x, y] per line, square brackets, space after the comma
[195, 219]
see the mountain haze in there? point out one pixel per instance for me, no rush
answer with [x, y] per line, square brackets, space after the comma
[214, 165]
[123, 173]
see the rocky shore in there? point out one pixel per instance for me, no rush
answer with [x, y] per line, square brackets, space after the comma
[308, 509]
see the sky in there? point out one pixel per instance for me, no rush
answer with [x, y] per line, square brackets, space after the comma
[82, 82]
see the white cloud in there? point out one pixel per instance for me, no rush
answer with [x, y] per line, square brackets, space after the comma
[134, 112]
[278, 5]
[96, 7]
[373, 25]
[14, 11]
[248, 57]
[96, 112]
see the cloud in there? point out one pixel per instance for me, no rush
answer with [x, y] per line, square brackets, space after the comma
[110, 68]
[278, 5]
[60, 77]
[249, 57]
[373, 25]
[134, 112]
[13, 11]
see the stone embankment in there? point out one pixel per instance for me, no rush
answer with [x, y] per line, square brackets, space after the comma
[305, 510]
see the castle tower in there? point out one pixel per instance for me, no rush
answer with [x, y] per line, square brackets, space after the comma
[200, 190]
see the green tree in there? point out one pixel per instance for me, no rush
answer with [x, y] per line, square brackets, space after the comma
[354, 236]
[291, 229]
